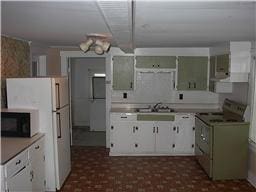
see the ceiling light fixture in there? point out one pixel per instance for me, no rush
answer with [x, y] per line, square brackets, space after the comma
[100, 43]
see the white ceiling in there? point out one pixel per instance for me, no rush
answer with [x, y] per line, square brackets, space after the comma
[154, 23]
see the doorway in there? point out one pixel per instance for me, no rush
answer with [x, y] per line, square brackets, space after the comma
[88, 101]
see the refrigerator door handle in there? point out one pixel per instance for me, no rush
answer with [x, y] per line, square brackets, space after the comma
[58, 125]
[57, 86]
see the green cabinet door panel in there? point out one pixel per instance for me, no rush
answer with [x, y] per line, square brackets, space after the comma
[123, 72]
[212, 66]
[148, 117]
[192, 73]
[155, 61]
[222, 64]
[230, 151]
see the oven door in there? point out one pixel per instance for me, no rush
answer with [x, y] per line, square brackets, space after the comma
[203, 149]
[15, 124]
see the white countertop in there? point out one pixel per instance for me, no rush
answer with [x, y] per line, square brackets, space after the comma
[12, 146]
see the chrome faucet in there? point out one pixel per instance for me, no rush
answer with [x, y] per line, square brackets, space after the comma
[156, 105]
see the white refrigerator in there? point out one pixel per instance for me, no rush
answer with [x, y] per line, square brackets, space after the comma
[51, 97]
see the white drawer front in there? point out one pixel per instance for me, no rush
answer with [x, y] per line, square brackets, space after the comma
[123, 117]
[36, 149]
[16, 163]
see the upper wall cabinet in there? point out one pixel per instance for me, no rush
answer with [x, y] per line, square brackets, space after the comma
[123, 72]
[160, 62]
[233, 61]
[192, 73]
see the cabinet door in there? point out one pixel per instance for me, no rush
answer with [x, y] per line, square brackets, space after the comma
[21, 181]
[36, 154]
[123, 72]
[222, 64]
[144, 137]
[184, 134]
[192, 73]
[122, 137]
[165, 62]
[164, 136]
[156, 62]
[145, 62]
[212, 66]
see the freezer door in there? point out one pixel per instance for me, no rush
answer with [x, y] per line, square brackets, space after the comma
[60, 93]
[62, 145]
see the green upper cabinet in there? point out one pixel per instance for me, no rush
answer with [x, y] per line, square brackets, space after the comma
[222, 64]
[156, 62]
[192, 73]
[123, 72]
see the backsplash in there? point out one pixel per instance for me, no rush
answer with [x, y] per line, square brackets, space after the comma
[15, 61]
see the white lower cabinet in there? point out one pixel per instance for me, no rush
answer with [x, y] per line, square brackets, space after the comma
[21, 181]
[26, 171]
[131, 136]
[184, 134]
[164, 136]
[144, 137]
[37, 161]
[122, 136]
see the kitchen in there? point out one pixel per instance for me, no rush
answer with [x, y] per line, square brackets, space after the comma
[148, 63]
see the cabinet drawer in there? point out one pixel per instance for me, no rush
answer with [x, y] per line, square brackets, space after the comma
[16, 163]
[37, 149]
[123, 117]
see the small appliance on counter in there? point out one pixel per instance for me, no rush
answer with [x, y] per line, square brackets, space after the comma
[19, 122]
[222, 142]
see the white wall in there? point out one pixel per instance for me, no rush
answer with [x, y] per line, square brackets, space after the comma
[81, 69]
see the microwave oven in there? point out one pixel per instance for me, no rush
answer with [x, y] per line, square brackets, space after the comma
[19, 122]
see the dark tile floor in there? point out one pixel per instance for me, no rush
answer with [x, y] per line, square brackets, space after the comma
[94, 171]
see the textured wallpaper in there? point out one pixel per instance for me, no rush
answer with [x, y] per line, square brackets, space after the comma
[15, 61]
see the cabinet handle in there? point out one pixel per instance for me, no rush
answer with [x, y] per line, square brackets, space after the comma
[131, 84]
[173, 145]
[189, 85]
[158, 65]
[174, 128]
[32, 175]
[178, 130]
[194, 85]
[37, 147]
[136, 145]
[153, 65]
[18, 162]
[123, 117]
[136, 128]
[193, 128]
[111, 144]
[154, 129]
[193, 146]
[185, 117]
[133, 129]
[112, 127]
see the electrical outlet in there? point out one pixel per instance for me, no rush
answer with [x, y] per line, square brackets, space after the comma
[181, 96]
